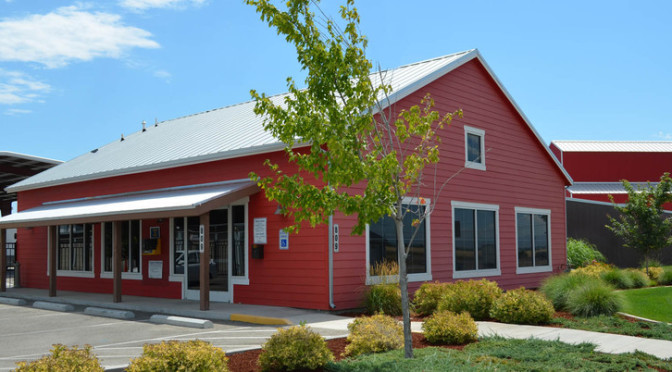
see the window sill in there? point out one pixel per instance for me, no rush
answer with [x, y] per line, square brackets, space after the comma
[472, 165]
[75, 274]
[128, 276]
[424, 277]
[476, 273]
[531, 270]
[240, 280]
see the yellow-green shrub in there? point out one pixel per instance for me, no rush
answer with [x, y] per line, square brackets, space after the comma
[374, 334]
[194, 355]
[427, 297]
[383, 298]
[522, 306]
[639, 279]
[594, 270]
[448, 328]
[474, 296]
[294, 348]
[655, 272]
[63, 358]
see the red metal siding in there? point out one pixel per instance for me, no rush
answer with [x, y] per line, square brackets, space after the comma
[616, 166]
[520, 173]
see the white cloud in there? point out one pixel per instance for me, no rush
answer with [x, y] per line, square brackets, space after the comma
[163, 74]
[68, 34]
[16, 112]
[17, 87]
[140, 5]
[664, 136]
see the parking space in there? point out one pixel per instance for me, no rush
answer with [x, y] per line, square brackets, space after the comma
[27, 333]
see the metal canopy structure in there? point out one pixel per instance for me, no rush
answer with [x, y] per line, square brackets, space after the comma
[15, 167]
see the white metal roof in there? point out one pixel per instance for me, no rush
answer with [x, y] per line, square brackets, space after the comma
[604, 187]
[614, 146]
[185, 200]
[228, 132]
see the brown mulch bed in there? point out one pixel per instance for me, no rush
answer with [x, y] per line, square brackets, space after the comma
[247, 361]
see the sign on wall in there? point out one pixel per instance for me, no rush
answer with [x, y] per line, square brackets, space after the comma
[284, 239]
[260, 230]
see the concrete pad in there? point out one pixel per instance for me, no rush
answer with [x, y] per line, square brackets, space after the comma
[109, 313]
[336, 325]
[12, 301]
[181, 321]
[52, 306]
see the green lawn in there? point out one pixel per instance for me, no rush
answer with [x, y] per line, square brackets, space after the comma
[652, 303]
[497, 354]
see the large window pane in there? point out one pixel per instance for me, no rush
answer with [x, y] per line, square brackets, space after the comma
[465, 239]
[239, 245]
[75, 247]
[540, 240]
[487, 240]
[130, 246]
[474, 148]
[524, 239]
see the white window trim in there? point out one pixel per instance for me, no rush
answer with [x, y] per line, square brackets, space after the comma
[172, 277]
[240, 279]
[534, 269]
[109, 274]
[476, 273]
[481, 133]
[420, 277]
[72, 273]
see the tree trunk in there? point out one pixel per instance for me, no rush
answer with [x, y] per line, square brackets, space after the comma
[403, 285]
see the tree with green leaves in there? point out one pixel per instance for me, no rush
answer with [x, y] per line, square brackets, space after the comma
[642, 224]
[355, 153]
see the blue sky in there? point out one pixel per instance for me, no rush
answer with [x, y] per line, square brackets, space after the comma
[75, 75]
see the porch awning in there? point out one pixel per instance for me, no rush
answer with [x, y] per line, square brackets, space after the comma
[160, 203]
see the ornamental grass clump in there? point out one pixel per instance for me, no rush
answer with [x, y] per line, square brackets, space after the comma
[557, 287]
[522, 306]
[666, 277]
[473, 296]
[193, 355]
[581, 253]
[448, 328]
[655, 272]
[63, 358]
[374, 334]
[618, 278]
[639, 279]
[294, 348]
[427, 297]
[384, 297]
[594, 298]
[594, 269]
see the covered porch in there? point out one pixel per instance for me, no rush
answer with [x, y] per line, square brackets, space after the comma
[193, 202]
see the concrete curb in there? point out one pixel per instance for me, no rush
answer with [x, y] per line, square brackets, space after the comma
[626, 315]
[12, 301]
[180, 321]
[256, 319]
[52, 306]
[109, 313]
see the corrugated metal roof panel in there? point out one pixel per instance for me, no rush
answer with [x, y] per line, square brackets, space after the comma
[614, 146]
[604, 187]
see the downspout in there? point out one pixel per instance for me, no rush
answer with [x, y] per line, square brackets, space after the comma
[331, 262]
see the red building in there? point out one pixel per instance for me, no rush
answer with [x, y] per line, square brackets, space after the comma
[598, 167]
[125, 218]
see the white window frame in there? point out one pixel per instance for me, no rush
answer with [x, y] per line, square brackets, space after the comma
[110, 274]
[71, 273]
[534, 268]
[478, 132]
[476, 207]
[172, 277]
[419, 277]
[240, 279]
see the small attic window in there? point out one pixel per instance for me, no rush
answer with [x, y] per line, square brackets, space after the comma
[474, 148]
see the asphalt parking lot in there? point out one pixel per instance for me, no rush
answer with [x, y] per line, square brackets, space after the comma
[27, 333]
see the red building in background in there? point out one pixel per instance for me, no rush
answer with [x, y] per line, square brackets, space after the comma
[128, 217]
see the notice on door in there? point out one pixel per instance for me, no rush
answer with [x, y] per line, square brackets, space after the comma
[260, 230]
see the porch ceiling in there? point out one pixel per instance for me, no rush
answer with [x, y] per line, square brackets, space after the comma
[15, 167]
[191, 200]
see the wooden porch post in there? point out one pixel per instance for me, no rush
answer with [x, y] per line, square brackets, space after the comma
[3, 261]
[205, 263]
[116, 261]
[53, 241]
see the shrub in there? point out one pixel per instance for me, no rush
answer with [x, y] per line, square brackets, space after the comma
[665, 277]
[595, 269]
[448, 328]
[639, 279]
[427, 297]
[618, 278]
[594, 298]
[294, 348]
[557, 287]
[522, 306]
[374, 334]
[383, 298]
[473, 296]
[654, 274]
[63, 358]
[193, 355]
[581, 253]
